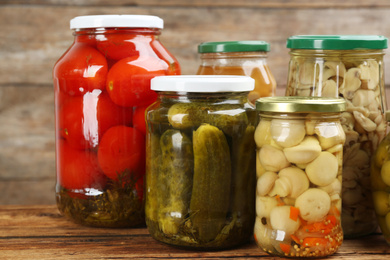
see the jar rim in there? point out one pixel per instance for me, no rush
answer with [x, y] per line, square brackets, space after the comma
[112, 21]
[299, 104]
[203, 83]
[233, 46]
[337, 42]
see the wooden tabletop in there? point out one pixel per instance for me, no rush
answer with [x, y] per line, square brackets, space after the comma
[40, 232]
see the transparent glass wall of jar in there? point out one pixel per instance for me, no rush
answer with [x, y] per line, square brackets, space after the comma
[247, 58]
[200, 164]
[350, 67]
[299, 173]
[380, 184]
[102, 88]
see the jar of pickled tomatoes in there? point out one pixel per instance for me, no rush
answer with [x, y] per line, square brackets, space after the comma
[247, 58]
[102, 88]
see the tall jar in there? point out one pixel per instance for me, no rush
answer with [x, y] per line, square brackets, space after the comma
[380, 184]
[102, 88]
[247, 58]
[299, 144]
[350, 67]
[200, 162]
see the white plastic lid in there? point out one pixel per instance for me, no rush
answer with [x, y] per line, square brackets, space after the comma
[203, 83]
[106, 21]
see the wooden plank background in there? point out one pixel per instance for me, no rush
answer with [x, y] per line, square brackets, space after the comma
[35, 33]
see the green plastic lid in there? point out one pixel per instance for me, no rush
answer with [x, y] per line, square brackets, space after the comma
[233, 46]
[299, 104]
[337, 42]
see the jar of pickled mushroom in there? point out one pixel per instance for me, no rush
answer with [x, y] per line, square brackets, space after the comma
[102, 88]
[247, 58]
[200, 162]
[350, 67]
[299, 144]
[380, 184]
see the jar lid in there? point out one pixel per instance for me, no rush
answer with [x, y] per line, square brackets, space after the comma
[106, 21]
[300, 104]
[337, 42]
[233, 46]
[203, 83]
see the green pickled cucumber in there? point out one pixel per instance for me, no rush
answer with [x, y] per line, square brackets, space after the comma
[211, 183]
[227, 117]
[244, 173]
[176, 172]
[186, 115]
[153, 162]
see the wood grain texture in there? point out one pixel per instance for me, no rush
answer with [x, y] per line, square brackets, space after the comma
[36, 33]
[40, 232]
[215, 3]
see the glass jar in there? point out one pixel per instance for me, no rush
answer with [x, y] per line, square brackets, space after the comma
[299, 144]
[350, 67]
[200, 161]
[247, 58]
[102, 88]
[380, 184]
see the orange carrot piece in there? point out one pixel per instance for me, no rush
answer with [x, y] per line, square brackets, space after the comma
[294, 213]
[295, 239]
[285, 248]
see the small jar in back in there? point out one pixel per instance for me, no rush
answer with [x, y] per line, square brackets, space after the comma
[350, 67]
[380, 184]
[102, 88]
[200, 162]
[247, 58]
[299, 144]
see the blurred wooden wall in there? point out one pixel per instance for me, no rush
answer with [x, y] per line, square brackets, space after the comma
[35, 33]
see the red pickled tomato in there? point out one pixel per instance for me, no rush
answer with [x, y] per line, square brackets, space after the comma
[139, 119]
[78, 169]
[128, 81]
[80, 70]
[122, 151]
[164, 54]
[117, 46]
[84, 119]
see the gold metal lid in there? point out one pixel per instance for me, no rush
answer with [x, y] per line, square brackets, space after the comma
[387, 115]
[300, 104]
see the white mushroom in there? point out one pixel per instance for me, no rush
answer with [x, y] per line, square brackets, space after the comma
[369, 74]
[329, 134]
[263, 133]
[323, 170]
[282, 188]
[264, 205]
[314, 205]
[329, 89]
[304, 152]
[287, 133]
[351, 83]
[297, 178]
[263, 233]
[363, 98]
[266, 182]
[333, 68]
[333, 188]
[280, 220]
[364, 122]
[272, 159]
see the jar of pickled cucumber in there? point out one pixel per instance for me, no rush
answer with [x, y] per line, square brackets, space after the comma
[380, 184]
[102, 88]
[299, 144]
[248, 58]
[350, 67]
[200, 161]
